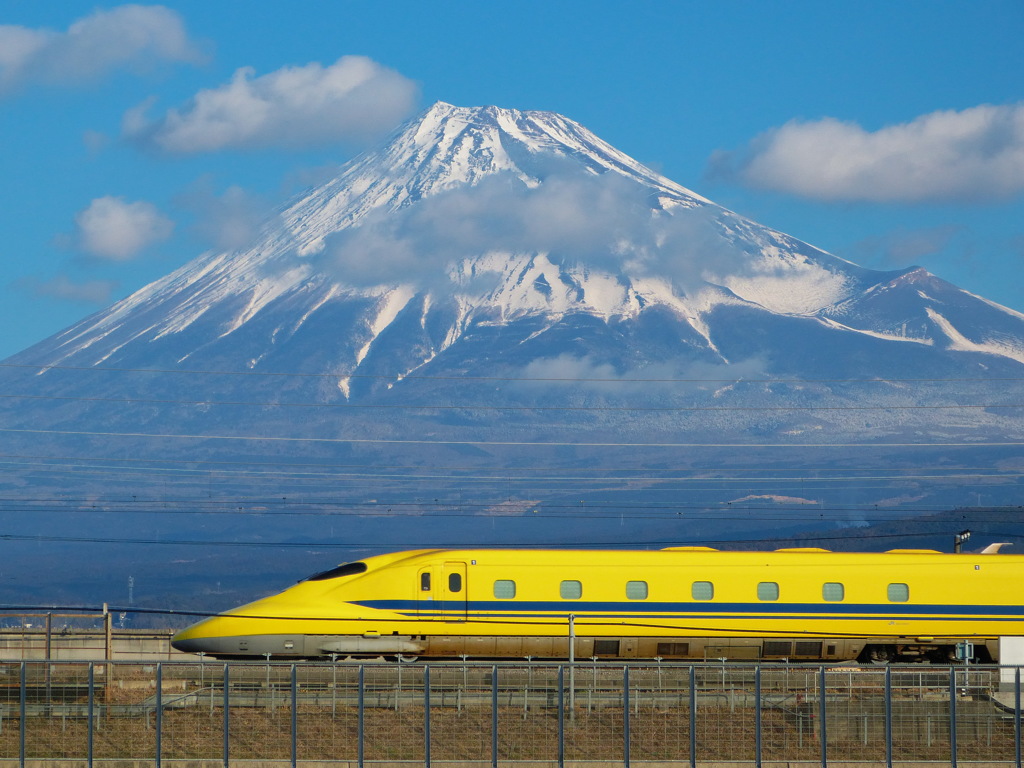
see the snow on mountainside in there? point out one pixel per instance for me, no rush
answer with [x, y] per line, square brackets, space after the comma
[507, 332]
[489, 215]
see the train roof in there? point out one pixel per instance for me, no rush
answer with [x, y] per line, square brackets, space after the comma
[666, 555]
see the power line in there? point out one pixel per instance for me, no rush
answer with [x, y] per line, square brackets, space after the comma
[524, 509]
[512, 408]
[510, 443]
[397, 546]
[502, 472]
[499, 474]
[558, 484]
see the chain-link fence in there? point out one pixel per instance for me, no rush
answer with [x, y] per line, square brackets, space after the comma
[505, 714]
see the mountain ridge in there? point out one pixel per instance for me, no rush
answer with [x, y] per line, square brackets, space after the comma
[497, 329]
[295, 268]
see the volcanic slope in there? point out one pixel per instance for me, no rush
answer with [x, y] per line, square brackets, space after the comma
[506, 330]
[492, 242]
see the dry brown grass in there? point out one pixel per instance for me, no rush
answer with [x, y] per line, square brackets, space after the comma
[655, 734]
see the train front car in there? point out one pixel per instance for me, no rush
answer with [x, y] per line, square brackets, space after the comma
[325, 614]
[677, 603]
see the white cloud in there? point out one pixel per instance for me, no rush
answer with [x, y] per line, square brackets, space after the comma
[972, 155]
[572, 216]
[64, 288]
[673, 377]
[602, 221]
[129, 36]
[353, 100]
[116, 230]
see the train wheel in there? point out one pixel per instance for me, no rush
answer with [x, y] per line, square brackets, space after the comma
[878, 654]
[403, 659]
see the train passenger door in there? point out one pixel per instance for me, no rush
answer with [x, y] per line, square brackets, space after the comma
[453, 591]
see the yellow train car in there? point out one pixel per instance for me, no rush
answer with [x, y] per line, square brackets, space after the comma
[676, 603]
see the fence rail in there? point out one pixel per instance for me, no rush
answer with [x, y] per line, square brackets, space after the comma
[499, 715]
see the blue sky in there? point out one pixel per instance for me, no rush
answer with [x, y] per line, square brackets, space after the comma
[134, 137]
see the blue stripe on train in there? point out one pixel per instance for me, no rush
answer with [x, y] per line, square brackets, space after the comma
[492, 609]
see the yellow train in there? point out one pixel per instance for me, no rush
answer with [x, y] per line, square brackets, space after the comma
[675, 603]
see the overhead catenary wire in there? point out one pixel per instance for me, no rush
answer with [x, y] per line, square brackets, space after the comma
[515, 408]
[501, 471]
[767, 512]
[390, 545]
[560, 512]
[528, 486]
[503, 474]
[519, 443]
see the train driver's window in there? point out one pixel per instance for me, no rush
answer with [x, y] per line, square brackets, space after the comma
[832, 592]
[768, 590]
[636, 590]
[898, 593]
[425, 581]
[504, 589]
[702, 590]
[571, 590]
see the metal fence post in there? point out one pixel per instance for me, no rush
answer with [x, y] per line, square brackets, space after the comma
[693, 717]
[159, 711]
[757, 716]
[888, 717]
[1016, 716]
[494, 717]
[561, 716]
[89, 715]
[952, 717]
[361, 715]
[295, 719]
[227, 715]
[426, 714]
[625, 716]
[822, 728]
[21, 719]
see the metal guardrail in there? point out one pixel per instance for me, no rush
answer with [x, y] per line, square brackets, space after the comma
[367, 714]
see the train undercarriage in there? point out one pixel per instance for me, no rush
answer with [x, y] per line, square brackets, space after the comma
[408, 647]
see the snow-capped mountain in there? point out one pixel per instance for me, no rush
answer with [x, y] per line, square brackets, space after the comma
[493, 296]
[467, 218]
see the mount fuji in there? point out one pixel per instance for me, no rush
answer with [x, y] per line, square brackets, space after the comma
[500, 294]
[469, 219]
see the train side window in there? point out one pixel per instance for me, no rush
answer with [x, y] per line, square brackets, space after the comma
[833, 592]
[454, 582]
[898, 593]
[702, 590]
[636, 590]
[768, 590]
[571, 590]
[425, 581]
[504, 589]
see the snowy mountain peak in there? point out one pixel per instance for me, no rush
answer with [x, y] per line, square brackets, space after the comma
[493, 297]
[448, 147]
[466, 217]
